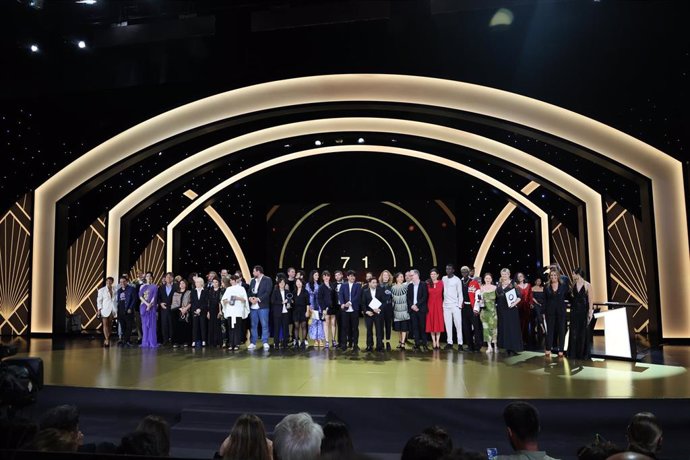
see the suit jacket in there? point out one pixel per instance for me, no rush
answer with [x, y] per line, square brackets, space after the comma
[366, 298]
[422, 296]
[263, 291]
[356, 295]
[165, 298]
[277, 300]
[198, 302]
[130, 299]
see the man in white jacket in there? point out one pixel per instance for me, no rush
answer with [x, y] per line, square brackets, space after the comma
[107, 308]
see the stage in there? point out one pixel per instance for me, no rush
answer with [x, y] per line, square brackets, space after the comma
[81, 362]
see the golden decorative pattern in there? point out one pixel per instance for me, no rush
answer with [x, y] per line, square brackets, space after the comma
[151, 259]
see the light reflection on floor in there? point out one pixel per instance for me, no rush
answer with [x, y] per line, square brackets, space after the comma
[408, 374]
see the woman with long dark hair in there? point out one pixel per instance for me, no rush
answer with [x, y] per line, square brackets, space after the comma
[247, 440]
[316, 332]
[180, 305]
[401, 316]
[214, 314]
[434, 318]
[299, 316]
[581, 311]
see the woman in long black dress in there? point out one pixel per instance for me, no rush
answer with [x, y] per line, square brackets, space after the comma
[581, 310]
[537, 318]
[182, 324]
[554, 299]
[299, 315]
[215, 334]
[509, 334]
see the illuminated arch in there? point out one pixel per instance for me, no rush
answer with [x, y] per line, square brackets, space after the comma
[665, 172]
[362, 148]
[387, 203]
[366, 230]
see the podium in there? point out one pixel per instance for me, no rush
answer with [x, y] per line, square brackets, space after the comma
[619, 336]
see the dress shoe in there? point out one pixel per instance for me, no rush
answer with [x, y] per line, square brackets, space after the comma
[379, 348]
[355, 348]
[388, 346]
[449, 346]
[368, 349]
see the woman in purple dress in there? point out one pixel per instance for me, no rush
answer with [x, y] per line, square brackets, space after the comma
[148, 294]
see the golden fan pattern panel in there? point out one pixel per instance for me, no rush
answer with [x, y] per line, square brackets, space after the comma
[627, 265]
[15, 261]
[152, 259]
[564, 247]
[86, 273]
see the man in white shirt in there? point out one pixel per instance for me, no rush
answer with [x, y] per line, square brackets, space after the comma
[452, 306]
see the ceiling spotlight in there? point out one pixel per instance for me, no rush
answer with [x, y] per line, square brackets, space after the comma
[317, 142]
[81, 44]
[338, 141]
[360, 140]
[86, 2]
[34, 48]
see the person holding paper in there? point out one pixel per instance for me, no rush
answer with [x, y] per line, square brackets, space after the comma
[349, 297]
[235, 310]
[509, 334]
[373, 298]
[434, 317]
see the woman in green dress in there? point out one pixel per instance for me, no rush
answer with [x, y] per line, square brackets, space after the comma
[488, 313]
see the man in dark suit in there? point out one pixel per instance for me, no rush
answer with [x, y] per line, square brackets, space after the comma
[259, 304]
[349, 297]
[417, 297]
[165, 295]
[126, 303]
[373, 316]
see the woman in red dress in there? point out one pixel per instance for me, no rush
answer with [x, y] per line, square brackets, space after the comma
[524, 291]
[434, 318]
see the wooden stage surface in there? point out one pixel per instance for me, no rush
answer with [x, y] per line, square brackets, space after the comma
[318, 372]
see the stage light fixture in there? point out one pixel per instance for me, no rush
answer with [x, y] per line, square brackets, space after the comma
[86, 2]
[360, 140]
[81, 44]
[33, 48]
[317, 143]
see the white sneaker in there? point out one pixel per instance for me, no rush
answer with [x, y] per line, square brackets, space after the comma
[266, 347]
[251, 346]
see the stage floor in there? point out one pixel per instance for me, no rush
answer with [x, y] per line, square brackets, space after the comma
[81, 362]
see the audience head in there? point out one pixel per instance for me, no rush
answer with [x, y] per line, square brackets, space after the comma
[139, 443]
[424, 447]
[442, 435]
[336, 439]
[16, 432]
[600, 449]
[522, 421]
[53, 440]
[644, 434]
[64, 418]
[247, 440]
[297, 437]
[158, 427]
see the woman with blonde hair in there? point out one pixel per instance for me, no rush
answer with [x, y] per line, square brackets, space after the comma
[386, 282]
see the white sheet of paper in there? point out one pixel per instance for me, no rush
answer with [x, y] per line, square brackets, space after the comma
[374, 304]
[511, 297]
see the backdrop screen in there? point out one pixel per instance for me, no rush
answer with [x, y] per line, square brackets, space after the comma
[362, 235]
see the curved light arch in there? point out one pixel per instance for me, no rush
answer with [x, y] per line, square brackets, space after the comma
[496, 226]
[357, 216]
[387, 203]
[318, 259]
[362, 148]
[665, 172]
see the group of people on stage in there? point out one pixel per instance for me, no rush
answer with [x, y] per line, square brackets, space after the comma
[326, 308]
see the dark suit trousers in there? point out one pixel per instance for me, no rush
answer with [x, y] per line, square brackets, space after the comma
[555, 328]
[351, 328]
[235, 334]
[199, 328]
[472, 330]
[418, 325]
[166, 324]
[127, 323]
[280, 326]
[374, 321]
[387, 313]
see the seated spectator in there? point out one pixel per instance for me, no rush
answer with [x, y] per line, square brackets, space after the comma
[160, 430]
[425, 447]
[64, 418]
[336, 441]
[53, 440]
[297, 437]
[442, 435]
[522, 422]
[644, 434]
[247, 440]
[138, 443]
[600, 449]
[16, 433]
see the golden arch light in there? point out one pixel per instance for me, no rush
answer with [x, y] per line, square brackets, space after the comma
[665, 172]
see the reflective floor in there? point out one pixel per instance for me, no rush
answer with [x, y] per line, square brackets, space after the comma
[317, 372]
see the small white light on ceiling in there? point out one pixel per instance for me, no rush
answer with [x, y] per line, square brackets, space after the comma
[34, 48]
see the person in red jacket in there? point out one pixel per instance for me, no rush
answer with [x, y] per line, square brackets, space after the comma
[472, 324]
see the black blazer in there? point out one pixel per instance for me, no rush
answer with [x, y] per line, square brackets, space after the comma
[163, 297]
[326, 296]
[556, 300]
[277, 299]
[302, 300]
[422, 296]
[366, 298]
[199, 302]
[263, 292]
